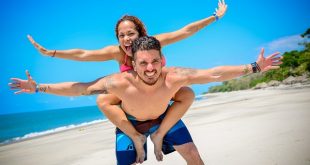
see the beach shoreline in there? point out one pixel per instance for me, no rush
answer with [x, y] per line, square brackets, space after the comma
[266, 126]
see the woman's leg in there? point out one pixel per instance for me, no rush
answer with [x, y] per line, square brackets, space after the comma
[183, 99]
[109, 105]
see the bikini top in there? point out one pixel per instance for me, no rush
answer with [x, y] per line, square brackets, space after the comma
[124, 67]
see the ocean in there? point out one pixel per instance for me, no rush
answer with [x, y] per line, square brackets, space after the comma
[20, 126]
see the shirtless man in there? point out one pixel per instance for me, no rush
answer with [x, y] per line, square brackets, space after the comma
[146, 93]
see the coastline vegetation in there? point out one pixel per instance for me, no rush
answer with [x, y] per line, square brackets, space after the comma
[295, 63]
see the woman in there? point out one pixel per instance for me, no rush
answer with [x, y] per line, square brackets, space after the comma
[128, 28]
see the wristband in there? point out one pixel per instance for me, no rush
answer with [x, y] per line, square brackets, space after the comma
[37, 88]
[255, 67]
[216, 17]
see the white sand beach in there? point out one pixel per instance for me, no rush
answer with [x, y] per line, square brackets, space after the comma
[257, 127]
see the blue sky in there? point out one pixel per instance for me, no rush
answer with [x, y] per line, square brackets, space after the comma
[235, 39]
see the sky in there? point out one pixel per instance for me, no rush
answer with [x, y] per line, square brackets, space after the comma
[235, 39]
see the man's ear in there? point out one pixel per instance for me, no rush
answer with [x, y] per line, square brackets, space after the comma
[133, 65]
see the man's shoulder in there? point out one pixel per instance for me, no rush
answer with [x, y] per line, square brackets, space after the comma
[117, 80]
[126, 77]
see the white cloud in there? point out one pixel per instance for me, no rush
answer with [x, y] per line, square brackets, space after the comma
[285, 44]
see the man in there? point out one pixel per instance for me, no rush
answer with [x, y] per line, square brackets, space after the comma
[146, 92]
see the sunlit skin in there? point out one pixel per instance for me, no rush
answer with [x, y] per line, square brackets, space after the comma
[108, 104]
[146, 92]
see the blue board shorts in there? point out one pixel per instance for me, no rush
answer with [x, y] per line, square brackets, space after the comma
[125, 150]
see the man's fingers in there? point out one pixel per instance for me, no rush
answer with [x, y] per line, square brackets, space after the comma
[18, 92]
[273, 55]
[28, 75]
[276, 58]
[16, 80]
[14, 88]
[274, 67]
[14, 85]
[23, 91]
[277, 63]
[261, 55]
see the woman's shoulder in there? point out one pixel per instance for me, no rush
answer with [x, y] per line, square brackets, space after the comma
[119, 54]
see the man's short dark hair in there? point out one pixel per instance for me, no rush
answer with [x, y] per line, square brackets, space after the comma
[145, 43]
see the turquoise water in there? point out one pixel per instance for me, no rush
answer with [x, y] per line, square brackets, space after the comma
[18, 126]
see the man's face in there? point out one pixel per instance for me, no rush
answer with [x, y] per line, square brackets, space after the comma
[148, 66]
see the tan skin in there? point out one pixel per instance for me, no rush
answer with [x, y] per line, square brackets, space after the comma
[149, 79]
[152, 84]
[108, 103]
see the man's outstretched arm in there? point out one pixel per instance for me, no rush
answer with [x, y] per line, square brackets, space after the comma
[99, 86]
[223, 73]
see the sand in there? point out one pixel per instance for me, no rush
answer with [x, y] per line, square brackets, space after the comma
[257, 127]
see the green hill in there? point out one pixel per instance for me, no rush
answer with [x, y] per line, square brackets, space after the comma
[295, 63]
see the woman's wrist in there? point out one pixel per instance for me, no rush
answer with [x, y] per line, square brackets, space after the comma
[54, 53]
[51, 53]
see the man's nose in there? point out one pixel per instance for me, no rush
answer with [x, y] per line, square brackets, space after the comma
[149, 67]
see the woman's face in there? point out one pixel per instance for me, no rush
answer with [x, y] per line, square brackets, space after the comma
[127, 33]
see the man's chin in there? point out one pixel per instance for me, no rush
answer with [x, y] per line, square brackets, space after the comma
[150, 83]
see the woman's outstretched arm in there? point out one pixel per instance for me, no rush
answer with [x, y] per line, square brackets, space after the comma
[104, 54]
[192, 28]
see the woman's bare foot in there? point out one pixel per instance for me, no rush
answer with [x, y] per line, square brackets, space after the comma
[157, 139]
[139, 142]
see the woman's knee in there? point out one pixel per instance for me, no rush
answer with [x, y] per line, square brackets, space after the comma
[185, 94]
[105, 100]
